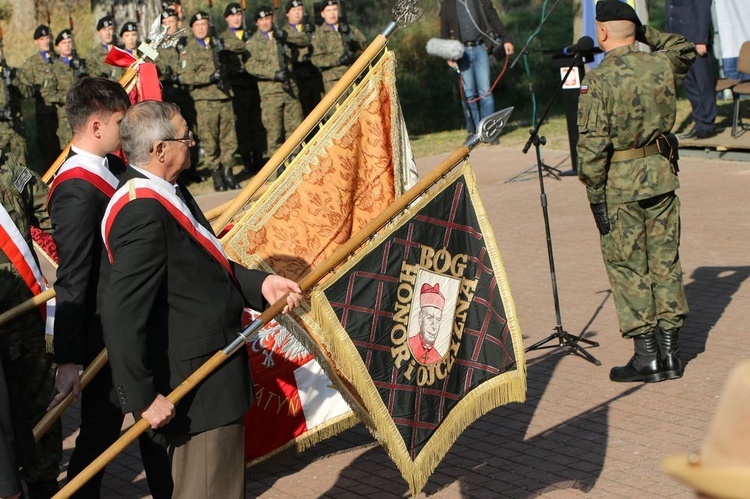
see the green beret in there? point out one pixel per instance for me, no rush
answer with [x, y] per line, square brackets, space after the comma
[615, 10]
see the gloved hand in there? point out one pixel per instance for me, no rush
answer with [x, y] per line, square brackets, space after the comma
[215, 77]
[280, 35]
[347, 59]
[600, 217]
[281, 75]
[308, 28]
[75, 63]
[344, 29]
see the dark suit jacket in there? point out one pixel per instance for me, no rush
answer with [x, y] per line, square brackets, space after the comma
[168, 308]
[489, 22]
[691, 19]
[76, 209]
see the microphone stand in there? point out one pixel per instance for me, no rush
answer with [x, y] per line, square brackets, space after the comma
[564, 339]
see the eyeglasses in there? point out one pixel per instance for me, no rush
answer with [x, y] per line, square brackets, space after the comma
[189, 139]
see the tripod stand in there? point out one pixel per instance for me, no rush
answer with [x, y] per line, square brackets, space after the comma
[564, 339]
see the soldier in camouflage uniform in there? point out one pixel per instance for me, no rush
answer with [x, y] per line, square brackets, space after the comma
[173, 90]
[65, 72]
[200, 71]
[35, 80]
[626, 109]
[246, 99]
[307, 77]
[95, 64]
[281, 109]
[11, 118]
[336, 45]
[30, 369]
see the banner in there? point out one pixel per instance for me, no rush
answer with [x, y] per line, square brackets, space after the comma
[357, 164]
[421, 323]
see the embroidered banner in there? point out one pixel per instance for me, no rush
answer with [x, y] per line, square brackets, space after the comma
[422, 324]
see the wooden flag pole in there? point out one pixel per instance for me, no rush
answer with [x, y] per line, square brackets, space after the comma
[26, 306]
[87, 375]
[487, 130]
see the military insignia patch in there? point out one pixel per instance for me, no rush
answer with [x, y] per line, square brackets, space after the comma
[22, 179]
[584, 89]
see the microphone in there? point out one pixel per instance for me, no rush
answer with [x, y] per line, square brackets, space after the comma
[584, 44]
[450, 50]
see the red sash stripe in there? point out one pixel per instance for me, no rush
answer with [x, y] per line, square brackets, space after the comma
[145, 189]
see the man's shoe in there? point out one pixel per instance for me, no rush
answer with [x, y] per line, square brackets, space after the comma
[704, 134]
[42, 490]
[644, 365]
[669, 347]
[229, 180]
[218, 180]
[690, 134]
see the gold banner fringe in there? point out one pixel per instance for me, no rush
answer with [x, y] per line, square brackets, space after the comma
[505, 388]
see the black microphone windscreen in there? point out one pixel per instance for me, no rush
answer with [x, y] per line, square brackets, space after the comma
[585, 44]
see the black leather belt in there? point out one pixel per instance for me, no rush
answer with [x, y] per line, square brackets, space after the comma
[472, 44]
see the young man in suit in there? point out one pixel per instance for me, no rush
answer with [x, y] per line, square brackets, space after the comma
[172, 301]
[77, 201]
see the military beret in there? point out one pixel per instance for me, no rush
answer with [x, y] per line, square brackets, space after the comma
[329, 3]
[105, 22]
[167, 13]
[615, 10]
[128, 26]
[41, 31]
[293, 3]
[63, 35]
[232, 8]
[198, 16]
[262, 12]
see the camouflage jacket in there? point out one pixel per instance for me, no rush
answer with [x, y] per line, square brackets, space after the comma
[168, 62]
[61, 80]
[10, 98]
[26, 207]
[234, 56]
[625, 103]
[328, 47]
[195, 70]
[34, 76]
[264, 59]
[300, 53]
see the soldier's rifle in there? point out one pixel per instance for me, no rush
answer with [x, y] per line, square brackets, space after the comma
[405, 12]
[75, 63]
[216, 47]
[345, 31]
[281, 49]
[148, 52]
[487, 130]
[245, 34]
[52, 53]
[6, 113]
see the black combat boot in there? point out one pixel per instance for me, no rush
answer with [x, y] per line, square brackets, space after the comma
[218, 180]
[248, 164]
[670, 353]
[229, 180]
[645, 365]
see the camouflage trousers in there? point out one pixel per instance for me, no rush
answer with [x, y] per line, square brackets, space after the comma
[282, 114]
[641, 255]
[31, 372]
[216, 132]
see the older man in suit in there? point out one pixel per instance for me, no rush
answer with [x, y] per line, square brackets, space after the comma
[174, 300]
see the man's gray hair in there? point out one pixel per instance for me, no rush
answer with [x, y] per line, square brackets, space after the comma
[145, 123]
